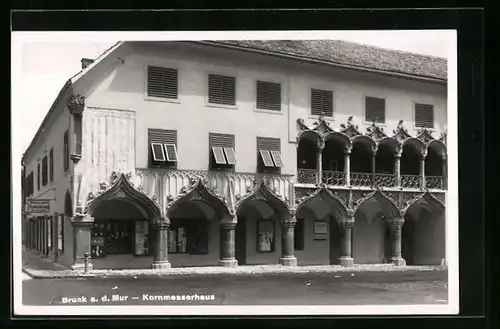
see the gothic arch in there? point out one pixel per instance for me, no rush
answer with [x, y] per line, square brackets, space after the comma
[338, 136]
[341, 212]
[311, 135]
[439, 145]
[427, 198]
[417, 144]
[199, 192]
[263, 193]
[365, 140]
[122, 190]
[390, 208]
[391, 142]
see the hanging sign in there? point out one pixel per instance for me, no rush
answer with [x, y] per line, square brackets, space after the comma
[38, 206]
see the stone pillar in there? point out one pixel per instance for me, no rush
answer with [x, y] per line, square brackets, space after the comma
[422, 170]
[160, 249]
[396, 226]
[227, 244]
[287, 242]
[397, 168]
[346, 242]
[319, 164]
[374, 159]
[347, 167]
[81, 234]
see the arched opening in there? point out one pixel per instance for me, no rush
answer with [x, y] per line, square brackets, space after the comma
[120, 235]
[333, 160]
[410, 166]
[423, 235]
[258, 233]
[194, 232]
[321, 233]
[361, 164]
[371, 234]
[384, 160]
[307, 160]
[434, 166]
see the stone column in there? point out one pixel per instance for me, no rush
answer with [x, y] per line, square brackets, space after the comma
[287, 242]
[319, 164]
[396, 226]
[346, 243]
[397, 168]
[81, 234]
[160, 249]
[227, 243]
[374, 159]
[422, 170]
[347, 167]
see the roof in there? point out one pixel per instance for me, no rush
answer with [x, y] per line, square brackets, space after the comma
[349, 54]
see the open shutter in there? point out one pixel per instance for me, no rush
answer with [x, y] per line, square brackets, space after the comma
[276, 155]
[218, 155]
[230, 156]
[265, 146]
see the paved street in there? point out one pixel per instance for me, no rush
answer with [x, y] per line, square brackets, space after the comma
[411, 287]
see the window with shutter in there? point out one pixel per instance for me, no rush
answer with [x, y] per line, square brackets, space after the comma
[51, 165]
[269, 155]
[222, 154]
[322, 102]
[45, 168]
[268, 96]
[162, 148]
[221, 89]
[162, 82]
[424, 116]
[38, 177]
[66, 151]
[375, 110]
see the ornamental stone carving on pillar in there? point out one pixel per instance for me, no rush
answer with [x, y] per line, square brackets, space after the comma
[76, 106]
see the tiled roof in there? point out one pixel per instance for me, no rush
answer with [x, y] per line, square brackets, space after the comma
[353, 55]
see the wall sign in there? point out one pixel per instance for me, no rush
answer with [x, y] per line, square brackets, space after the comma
[38, 206]
[320, 230]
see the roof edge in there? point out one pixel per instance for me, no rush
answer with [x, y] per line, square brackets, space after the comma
[46, 118]
[322, 62]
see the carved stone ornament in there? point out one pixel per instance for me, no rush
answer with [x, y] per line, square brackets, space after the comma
[321, 126]
[425, 135]
[401, 133]
[343, 196]
[409, 198]
[302, 125]
[76, 104]
[75, 158]
[442, 138]
[376, 132]
[349, 129]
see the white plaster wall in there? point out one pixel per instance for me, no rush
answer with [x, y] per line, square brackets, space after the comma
[368, 238]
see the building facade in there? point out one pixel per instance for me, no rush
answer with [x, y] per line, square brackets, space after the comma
[161, 154]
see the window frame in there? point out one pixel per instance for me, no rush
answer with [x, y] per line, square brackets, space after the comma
[257, 240]
[415, 115]
[207, 89]
[166, 165]
[322, 89]
[149, 236]
[261, 168]
[38, 176]
[164, 65]
[176, 224]
[212, 165]
[66, 151]
[383, 124]
[51, 165]
[282, 95]
[45, 173]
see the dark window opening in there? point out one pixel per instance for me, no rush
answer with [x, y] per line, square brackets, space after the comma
[162, 150]
[361, 158]
[322, 102]
[221, 89]
[44, 171]
[38, 177]
[410, 161]
[222, 155]
[424, 116]
[269, 155]
[163, 82]
[433, 163]
[188, 236]
[268, 96]
[66, 151]
[120, 237]
[384, 161]
[375, 109]
[333, 156]
[299, 234]
[51, 166]
[306, 154]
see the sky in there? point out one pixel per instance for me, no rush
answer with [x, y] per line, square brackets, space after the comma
[47, 60]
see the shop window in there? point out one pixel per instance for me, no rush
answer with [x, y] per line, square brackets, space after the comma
[265, 236]
[119, 237]
[299, 234]
[269, 155]
[222, 154]
[141, 238]
[188, 236]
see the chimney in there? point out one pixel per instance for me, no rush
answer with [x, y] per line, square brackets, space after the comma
[86, 62]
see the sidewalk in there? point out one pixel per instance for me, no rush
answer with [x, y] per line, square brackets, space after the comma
[46, 269]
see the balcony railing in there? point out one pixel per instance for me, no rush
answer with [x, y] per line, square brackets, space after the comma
[171, 182]
[307, 176]
[385, 180]
[411, 181]
[336, 178]
[361, 179]
[434, 182]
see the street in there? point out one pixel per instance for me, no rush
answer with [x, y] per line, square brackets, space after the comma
[363, 288]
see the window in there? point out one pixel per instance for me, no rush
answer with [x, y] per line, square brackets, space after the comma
[51, 165]
[44, 171]
[221, 152]
[38, 177]
[60, 238]
[162, 148]
[322, 102]
[221, 89]
[265, 236]
[268, 96]
[299, 233]
[269, 155]
[375, 110]
[424, 116]
[188, 236]
[66, 151]
[113, 237]
[162, 82]
[30, 187]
